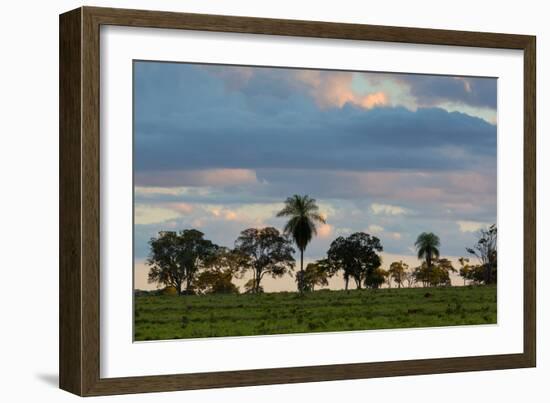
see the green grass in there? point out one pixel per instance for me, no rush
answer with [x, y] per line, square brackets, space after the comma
[173, 317]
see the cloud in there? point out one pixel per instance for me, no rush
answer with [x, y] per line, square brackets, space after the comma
[387, 209]
[471, 226]
[430, 90]
[183, 208]
[206, 177]
[219, 148]
[375, 228]
[144, 214]
[325, 230]
[155, 191]
[334, 89]
[187, 119]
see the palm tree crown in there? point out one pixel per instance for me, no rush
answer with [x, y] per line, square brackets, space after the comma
[303, 214]
[427, 245]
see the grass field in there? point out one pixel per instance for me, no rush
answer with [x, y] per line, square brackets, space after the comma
[173, 317]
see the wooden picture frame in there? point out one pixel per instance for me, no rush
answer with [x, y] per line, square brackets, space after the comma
[79, 346]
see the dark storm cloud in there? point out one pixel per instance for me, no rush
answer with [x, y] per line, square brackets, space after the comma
[186, 117]
[472, 91]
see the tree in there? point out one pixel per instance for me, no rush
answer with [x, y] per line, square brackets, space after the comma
[356, 256]
[250, 287]
[409, 278]
[216, 282]
[303, 215]
[267, 251]
[221, 268]
[465, 270]
[427, 248]
[230, 260]
[376, 278]
[314, 274]
[485, 250]
[475, 274]
[398, 271]
[175, 258]
[438, 275]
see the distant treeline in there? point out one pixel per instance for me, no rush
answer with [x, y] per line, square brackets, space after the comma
[188, 263]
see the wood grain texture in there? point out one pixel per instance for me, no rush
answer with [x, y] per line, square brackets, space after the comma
[530, 202]
[80, 200]
[70, 274]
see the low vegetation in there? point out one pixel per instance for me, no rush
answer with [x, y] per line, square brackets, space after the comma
[162, 317]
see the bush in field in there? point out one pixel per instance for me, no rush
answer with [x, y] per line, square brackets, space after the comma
[315, 274]
[473, 273]
[216, 282]
[250, 287]
[376, 278]
[170, 290]
[437, 276]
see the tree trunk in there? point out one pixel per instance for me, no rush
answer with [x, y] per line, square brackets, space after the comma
[301, 282]
[429, 263]
[487, 273]
[188, 286]
[257, 279]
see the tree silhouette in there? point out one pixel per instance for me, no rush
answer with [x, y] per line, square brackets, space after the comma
[175, 258]
[466, 269]
[303, 215]
[427, 245]
[486, 251]
[268, 252]
[439, 275]
[398, 272]
[314, 274]
[357, 257]
[220, 269]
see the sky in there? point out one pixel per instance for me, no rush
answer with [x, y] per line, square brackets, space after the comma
[219, 148]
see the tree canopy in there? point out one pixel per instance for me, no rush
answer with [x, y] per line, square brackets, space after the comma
[356, 256]
[398, 272]
[315, 274]
[268, 252]
[303, 214]
[176, 258]
[427, 248]
[485, 250]
[221, 268]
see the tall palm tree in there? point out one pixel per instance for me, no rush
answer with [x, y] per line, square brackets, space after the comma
[427, 245]
[303, 214]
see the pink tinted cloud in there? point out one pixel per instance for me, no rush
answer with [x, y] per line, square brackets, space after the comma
[183, 208]
[198, 177]
[334, 89]
[325, 230]
[423, 185]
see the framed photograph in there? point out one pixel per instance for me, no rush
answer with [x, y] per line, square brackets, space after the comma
[248, 201]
